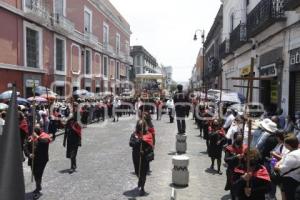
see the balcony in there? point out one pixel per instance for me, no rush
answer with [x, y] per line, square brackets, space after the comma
[129, 60]
[265, 14]
[224, 49]
[37, 12]
[292, 4]
[62, 24]
[90, 39]
[238, 37]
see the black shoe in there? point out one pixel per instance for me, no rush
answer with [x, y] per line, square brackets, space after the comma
[220, 173]
[71, 171]
[142, 192]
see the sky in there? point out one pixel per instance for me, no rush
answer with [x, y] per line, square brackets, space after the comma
[165, 28]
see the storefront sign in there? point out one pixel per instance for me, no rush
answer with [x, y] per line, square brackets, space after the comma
[295, 57]
[245, 70]
[268, 71]
[29, 83]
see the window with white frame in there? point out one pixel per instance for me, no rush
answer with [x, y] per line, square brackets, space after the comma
[105, 66]
[88, 61]
[105, 35]
[118, 70]
[87, 20]
[118, 43]
[60, 54]
[32, 45]
[59, 7]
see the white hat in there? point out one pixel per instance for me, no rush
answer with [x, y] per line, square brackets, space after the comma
[269, 125]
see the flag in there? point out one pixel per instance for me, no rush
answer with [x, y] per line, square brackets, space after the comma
[12, 185]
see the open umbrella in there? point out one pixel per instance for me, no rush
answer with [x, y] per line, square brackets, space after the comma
[50, 97]
[22, 101]
[37, 99]
[7, 95]
[3, 106]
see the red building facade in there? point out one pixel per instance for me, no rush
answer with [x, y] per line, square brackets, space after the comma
[64, 45]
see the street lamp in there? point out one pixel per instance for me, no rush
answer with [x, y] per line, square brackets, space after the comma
[202, 31]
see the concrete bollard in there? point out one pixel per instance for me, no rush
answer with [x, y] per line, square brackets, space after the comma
[181, 144]
[180, 172]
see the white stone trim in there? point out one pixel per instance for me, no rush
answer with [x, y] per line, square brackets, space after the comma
[40, 34]
[107, 35]
[79, 57]
[21, 68]
[64, 7]
[86, 9]
[65, 55]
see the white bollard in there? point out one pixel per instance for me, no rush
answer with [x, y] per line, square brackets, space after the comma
[180, 172]
[181, 144]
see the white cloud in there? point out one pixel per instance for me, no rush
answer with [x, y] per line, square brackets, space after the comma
[166, 28]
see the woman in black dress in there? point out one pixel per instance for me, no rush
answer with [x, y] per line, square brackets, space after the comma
[216, 142]
[72, 138]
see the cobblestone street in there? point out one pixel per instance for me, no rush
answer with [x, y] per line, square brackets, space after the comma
[105, 166]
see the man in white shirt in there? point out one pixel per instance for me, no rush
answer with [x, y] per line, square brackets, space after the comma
[229, 119]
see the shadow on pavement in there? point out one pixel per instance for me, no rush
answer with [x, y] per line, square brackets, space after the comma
[65, 171]
[211, 171]
[133, 193]
[177, 186]
[226, 197]
[173, 153]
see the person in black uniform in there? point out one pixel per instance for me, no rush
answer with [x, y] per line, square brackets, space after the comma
[181, 101]
[38, 158]
[72, 137]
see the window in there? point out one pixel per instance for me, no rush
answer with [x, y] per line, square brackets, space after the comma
[59, 7]
[105, 35]
[118, 41]
[118, 70]
[87, 20]
[231, 22]
[105, 66]
[32, 46]
[88, 63]
[60, 54]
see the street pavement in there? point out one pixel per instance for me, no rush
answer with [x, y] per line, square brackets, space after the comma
[105, 169]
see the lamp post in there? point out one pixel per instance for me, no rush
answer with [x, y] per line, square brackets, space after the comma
[202, 31]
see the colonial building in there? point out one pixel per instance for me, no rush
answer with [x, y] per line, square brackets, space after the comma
[272, 28]
[212, 61]
[197, 73]
[64, 45]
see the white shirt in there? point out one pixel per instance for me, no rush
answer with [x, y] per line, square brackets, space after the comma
[228, 121]
[2, 123]
[233, 129]
[170, 104]
[281, 149]
[291, 161]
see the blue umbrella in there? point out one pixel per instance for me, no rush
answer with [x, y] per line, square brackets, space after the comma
[22, 101]
[7, 95]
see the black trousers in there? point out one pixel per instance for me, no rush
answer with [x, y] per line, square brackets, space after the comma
[181, 126]
[38, 171]
[144, 168]
[289, 187]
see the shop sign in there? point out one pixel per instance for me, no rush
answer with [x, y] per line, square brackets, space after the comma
[295, 57]
[245, 70]
[30, 83]
[268, 71]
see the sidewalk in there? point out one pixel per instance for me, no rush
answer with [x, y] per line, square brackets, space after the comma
[203, 184]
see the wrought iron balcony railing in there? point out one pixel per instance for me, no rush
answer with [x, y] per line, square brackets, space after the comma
[238, 37]
[36, 11]
[266, 13]
[61, 23]
[224, 49]
[292, 4]
[90, 38]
